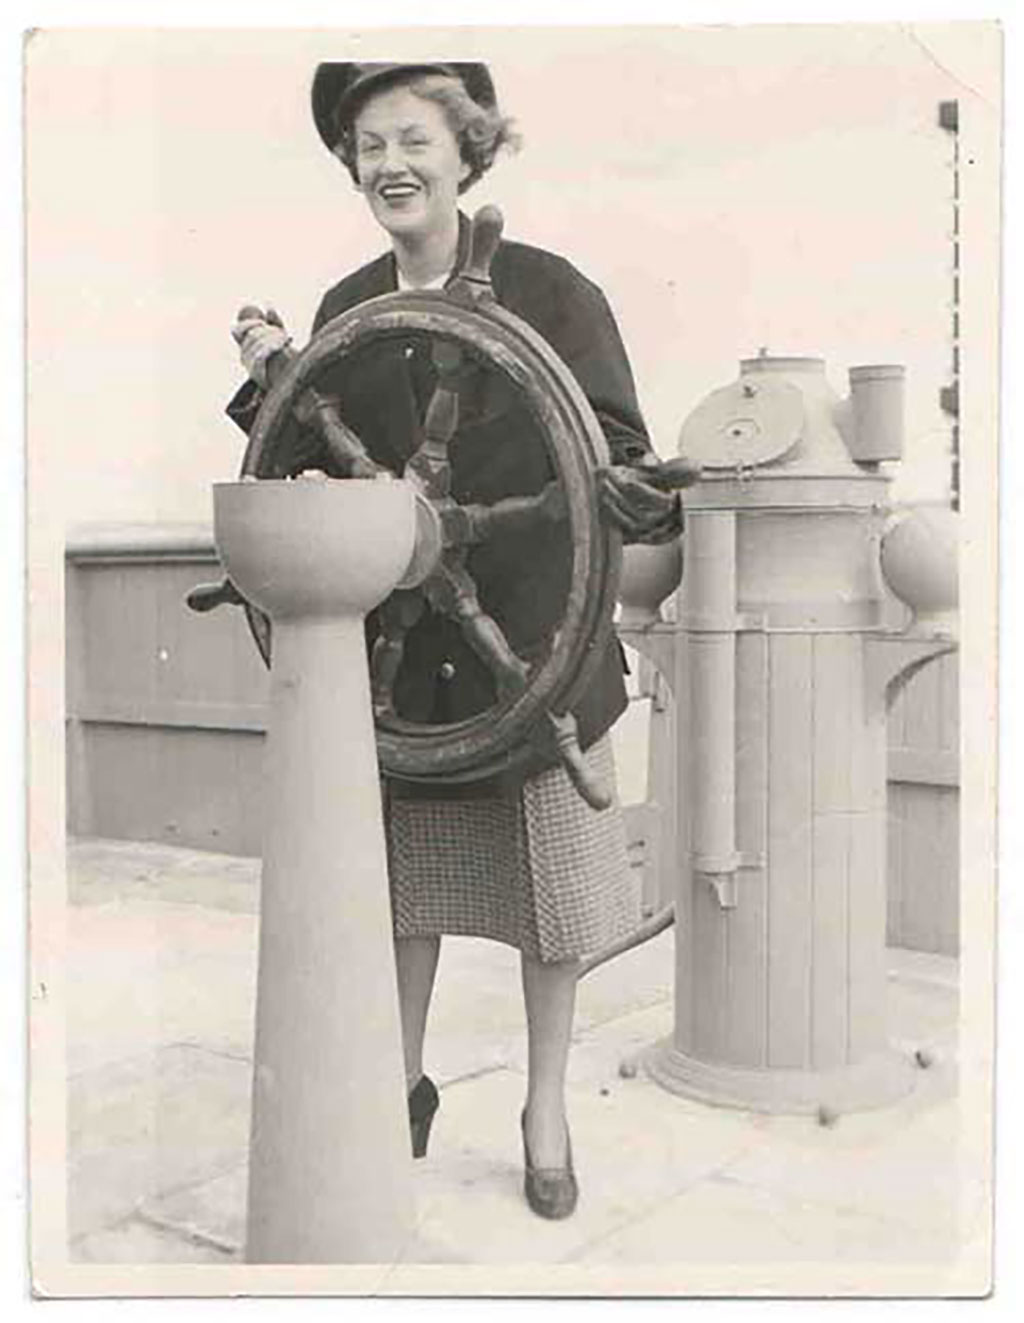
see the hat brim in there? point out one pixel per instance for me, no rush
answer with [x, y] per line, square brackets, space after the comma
[340, 89]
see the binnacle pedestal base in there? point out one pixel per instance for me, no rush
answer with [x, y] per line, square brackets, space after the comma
[329, 1177]
[877, 1081]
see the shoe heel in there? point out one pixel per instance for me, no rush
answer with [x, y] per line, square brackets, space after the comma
[420, 1129]
[423, 1104]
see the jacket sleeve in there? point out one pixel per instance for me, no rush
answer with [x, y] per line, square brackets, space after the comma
[603, 371]
[573, 315]
[244, 405]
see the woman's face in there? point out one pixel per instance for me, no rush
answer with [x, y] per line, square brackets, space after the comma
[408, 162]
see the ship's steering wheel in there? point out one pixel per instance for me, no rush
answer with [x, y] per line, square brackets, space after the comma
[535, 697]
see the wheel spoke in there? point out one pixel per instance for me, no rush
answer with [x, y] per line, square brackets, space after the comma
[343, 447]
[396, 615]
[452, 590]
[429, 466]
[321, 414]
[473, 284]
[466, 525]
[567, 742]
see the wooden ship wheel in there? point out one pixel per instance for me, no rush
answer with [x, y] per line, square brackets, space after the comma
[534, 695]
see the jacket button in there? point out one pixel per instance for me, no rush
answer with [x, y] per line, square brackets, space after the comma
[447, 670]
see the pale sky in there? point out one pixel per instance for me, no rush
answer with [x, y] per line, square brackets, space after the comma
[729, 188]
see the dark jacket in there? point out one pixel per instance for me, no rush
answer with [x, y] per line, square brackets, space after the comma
[497, 451]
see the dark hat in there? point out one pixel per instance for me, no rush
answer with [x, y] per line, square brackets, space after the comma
[340, 89]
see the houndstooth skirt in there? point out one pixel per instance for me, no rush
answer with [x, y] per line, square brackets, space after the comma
[537, 869]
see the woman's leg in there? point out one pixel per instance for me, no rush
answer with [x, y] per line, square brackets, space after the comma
[549, 990]
[416, 965]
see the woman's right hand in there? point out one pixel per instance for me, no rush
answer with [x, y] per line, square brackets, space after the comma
[259, 336]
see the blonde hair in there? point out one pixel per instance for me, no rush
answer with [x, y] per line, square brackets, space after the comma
[480, 131]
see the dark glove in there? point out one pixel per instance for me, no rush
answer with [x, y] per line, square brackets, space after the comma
[642, 511]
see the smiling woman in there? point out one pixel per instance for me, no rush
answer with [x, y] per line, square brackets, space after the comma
[413, 138]
[519, 859]
[409, 167]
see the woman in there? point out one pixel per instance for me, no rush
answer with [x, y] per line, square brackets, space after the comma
[522, 860]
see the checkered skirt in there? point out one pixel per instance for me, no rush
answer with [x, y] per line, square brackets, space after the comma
[538, 869]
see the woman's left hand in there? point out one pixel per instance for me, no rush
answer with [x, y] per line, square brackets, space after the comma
[641, 511]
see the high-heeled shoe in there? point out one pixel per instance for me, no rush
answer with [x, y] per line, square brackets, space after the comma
[551, 1192]
[423, 1104]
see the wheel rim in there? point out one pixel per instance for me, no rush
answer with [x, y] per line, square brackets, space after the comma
[506, 734]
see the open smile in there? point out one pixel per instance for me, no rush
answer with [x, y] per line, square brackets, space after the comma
[398, 192]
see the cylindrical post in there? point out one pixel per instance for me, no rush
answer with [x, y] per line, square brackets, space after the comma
[876, 402]
[710, 624]
[329, 1176]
